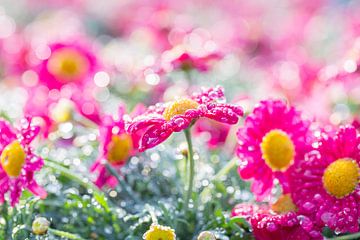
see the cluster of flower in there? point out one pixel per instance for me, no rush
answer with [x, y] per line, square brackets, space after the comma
[307, 171]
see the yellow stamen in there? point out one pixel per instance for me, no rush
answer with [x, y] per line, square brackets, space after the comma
[284, 205]
[67, 64]
[119, 148]
[179, 107]
[278, 150]
[13, 159]
[341, 177]
[158, 232]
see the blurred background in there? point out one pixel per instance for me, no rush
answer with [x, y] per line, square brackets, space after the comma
[304, 51]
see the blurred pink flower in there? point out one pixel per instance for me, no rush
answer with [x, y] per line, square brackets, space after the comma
[66, 74]
[18, 162]
[326, 185]
[217, 132]
[161, 120]
[274, 137]
[187, 61]
[116, 146]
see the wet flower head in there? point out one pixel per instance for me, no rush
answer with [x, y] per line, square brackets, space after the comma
[268, 224]
[18, 162]
[158, 232]
[333, 173]
[274, 137]
[161, 120]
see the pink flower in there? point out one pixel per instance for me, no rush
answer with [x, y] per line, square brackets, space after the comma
[65, 75]
[116, 146]
[268, 224]
[216, 132]
[273, 139]
[161, 120]
[186, 61]
[18, 162]
[326, 185]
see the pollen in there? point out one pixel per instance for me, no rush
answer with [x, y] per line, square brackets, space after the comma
[13, 159]
[341, 177]
[284, 204]
[119, 148]
[278, 150]
[68, 64]
[179, 107]
[158, 232]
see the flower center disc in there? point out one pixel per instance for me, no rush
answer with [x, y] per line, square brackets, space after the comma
[284, 205]
[68, 64]
[277, 150]
[179, 107]
[119, 148]
[341, 177]
[13, 159]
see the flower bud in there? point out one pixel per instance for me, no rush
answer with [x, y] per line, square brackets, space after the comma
[206, 235]
[40, 226]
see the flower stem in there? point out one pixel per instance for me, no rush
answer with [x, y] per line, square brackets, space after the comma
[224, 171]
[8, 223]
[191, 166]
[67, 173]
[122, 183]
[63, 234]
[347, 237]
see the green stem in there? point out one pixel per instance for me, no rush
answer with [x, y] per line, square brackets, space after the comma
[191, 166]
[347, 237]
[67, 173]
[224, 171]
[8, 221]
[122, 183]
[63, 234]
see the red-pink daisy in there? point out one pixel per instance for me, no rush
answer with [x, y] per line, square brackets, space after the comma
[161, 120]
[18, 162]
[326, 185]
[116, 146]
[273, 138]
[280, 221]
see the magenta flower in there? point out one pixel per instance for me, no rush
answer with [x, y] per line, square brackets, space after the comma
[273, 139]
[18, 162]
[187, 61]
[326, 185]
[214, 132]
[116, 146]
[66, 74]
[279, 221]
[161, 120]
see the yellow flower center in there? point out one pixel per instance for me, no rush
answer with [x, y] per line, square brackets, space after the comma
[284, 205]
[67, 64]
[179, 107]
[158, 232]
[277, 150]
[62, 111]
[119, 148]
[13, 159]
[341, 177]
